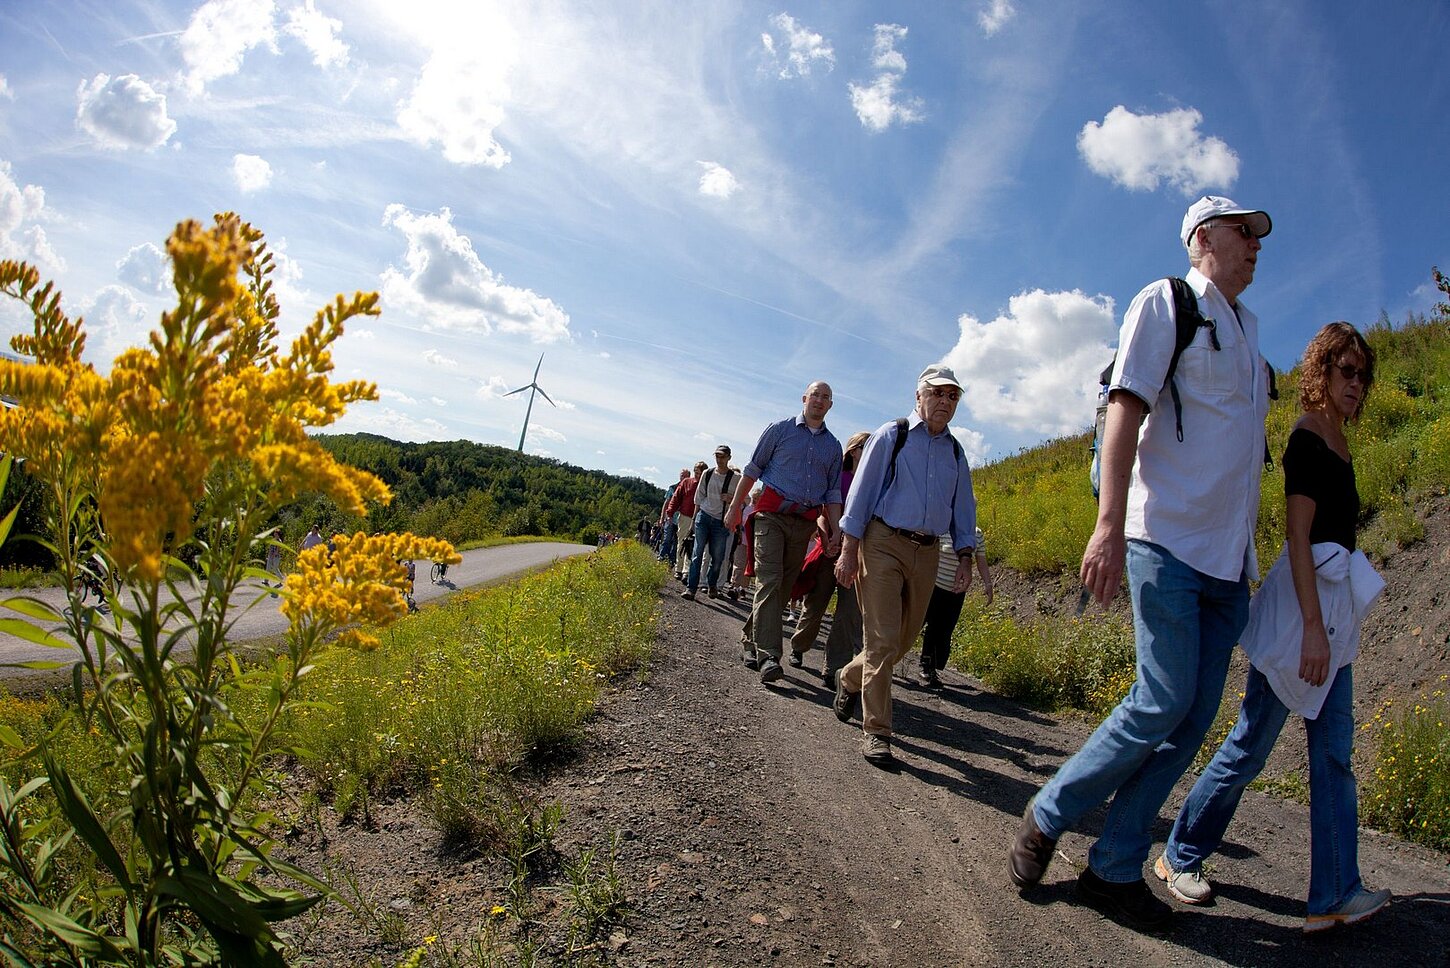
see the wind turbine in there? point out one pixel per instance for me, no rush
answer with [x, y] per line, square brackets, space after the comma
[533, 387]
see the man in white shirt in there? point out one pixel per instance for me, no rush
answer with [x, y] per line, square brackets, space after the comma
[712, 497]
[1180, 506]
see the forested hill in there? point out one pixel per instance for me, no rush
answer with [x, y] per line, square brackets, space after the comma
[461, 490]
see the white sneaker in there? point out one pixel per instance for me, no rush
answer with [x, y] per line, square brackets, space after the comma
[1190, 887]
[1363, 905]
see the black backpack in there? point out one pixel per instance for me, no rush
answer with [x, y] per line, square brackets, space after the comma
[1187, 322]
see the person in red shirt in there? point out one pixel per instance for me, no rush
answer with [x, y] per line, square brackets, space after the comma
[682, 502]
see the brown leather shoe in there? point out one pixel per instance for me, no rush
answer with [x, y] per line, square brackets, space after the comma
[1031, 853]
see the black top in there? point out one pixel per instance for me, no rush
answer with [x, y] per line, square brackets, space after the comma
[1312, 469]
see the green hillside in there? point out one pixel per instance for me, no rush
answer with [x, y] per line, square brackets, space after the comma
[1038, 511]
[463, 491]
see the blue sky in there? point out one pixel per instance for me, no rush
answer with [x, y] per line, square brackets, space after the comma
[693, 209]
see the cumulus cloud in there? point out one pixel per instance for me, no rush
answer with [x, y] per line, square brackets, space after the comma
[717, 181]
[458, 99]
[124, 112]
[145, 269]
[252, 174]
[879, 103]
[799, 50]
[21, 236]
[117, 320]
[536, 430]
[396, 395]
[219, 35]
[318, 33]
[1035, 367]
[5, 91]
[492, 388]
[1141, 151]
[995, 16]
[435, 358]
[387, 422]
[438, 401]
[444, 282]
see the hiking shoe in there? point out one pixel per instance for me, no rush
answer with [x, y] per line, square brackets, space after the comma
[929, 678]
[877, 750]
[846, 704]
[828, 679]
[1132, 904]
[687, 595]
[733, 594]
[714, 593]
[1031, 852]
[770, 671]
[796, 660]
[1190, 887]
[748, 656]
[1363, 905]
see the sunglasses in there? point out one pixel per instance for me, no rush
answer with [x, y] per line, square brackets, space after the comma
[1349, 372]
[1243, 230]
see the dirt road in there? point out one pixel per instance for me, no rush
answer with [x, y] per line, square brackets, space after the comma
[754, 833]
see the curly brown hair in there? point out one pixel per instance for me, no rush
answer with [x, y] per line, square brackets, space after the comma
[1324, 351]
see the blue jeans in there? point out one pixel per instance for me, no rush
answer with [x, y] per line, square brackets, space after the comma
[667, 543]
[712, 532]
[1185, 624]
[1333, 803]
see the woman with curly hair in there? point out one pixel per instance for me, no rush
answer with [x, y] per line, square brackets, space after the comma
[1302, 638]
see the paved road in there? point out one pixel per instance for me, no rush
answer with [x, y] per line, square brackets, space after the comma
[480, 566]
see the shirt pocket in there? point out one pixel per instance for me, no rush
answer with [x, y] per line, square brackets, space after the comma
[1206, 370]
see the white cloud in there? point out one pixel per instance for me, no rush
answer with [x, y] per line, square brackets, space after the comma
[362, 334]
[145, 269]
[995, 16]
[251, 173]
[804, 49]
[458, 99]
[537, 430]
[397, 396]
[1036, 367]
[604, 354]
[5, 91]
[116, 320]
[492, 388]
[318, 33]
[123, 113]
[444, 282]
[1139, 151]
[438, 401]
[387, 422]
[974, 445]
[879, 104]
[435, 358]
[717, 181]
[220, 34]
[21, 236]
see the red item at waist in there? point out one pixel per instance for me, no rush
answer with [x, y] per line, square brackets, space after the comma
[773, 502]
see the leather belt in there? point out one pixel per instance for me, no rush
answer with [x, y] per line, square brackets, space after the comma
[920, 537]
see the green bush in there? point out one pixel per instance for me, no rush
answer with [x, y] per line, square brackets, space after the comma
[1409, 791]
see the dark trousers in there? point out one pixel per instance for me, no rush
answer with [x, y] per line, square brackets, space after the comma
[942, 613]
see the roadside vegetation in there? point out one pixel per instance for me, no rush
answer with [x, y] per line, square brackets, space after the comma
[1037, 511]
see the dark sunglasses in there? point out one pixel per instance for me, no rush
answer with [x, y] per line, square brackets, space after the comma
[1349, 372]
[1243, 230]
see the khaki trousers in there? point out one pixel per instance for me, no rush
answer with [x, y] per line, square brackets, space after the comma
[893, 588]
[779, 541]
[686, 530]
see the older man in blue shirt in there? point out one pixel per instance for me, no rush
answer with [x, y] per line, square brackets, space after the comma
[904, 494]
[799, 462]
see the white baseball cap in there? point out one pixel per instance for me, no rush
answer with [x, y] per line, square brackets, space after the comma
[1216, 206]
[937, 375]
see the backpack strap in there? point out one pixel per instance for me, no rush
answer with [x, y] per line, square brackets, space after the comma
[902, 426]
[1187, 322]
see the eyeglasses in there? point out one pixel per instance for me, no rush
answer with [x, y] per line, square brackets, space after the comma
[951, 393]
[1243, 230]
[1350, 371]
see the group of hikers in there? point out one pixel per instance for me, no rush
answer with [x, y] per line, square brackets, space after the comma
[888, 524]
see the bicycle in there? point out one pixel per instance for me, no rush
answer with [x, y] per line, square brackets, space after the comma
[86, 585]
[438, 572]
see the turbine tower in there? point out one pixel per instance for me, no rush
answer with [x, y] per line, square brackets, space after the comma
[533, 387]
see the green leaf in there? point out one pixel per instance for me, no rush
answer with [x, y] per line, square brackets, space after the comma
[9, 521]
[219, 906]
[11, 738]
[22, 629]
[70, 932]
[77, 810]
[38, 664]
[33, 607]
